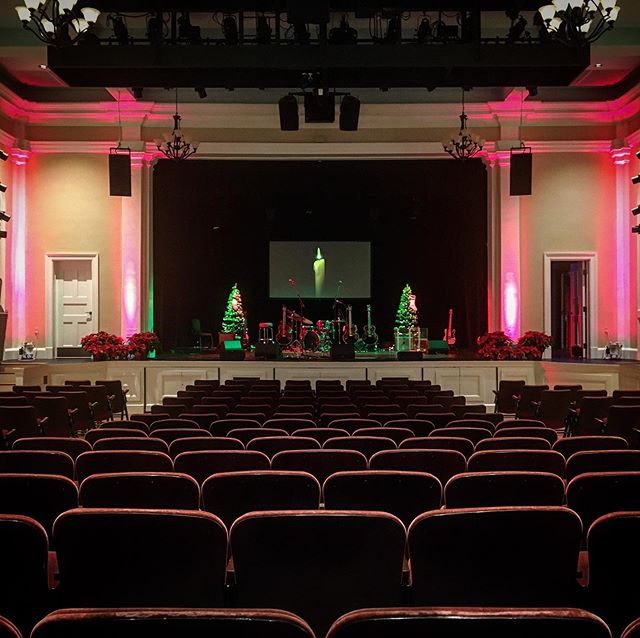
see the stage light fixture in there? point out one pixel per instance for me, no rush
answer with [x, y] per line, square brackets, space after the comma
[423, 32]
[532, 91]
[635, 180]
[230, 30]
[4, 156]
[344, 34]
[201, 91]
[187, 31]
[4, 217]
[155, 29]
[517, 30]
[3, 188]
[636, 210]
[120, 30]
[263, 30]
[301, 34]
[394, 30]
[634, 229]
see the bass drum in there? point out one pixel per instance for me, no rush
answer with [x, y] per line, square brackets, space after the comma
[311, 340]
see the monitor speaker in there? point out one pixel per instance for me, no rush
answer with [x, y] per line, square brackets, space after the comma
[288, 107]
[520, 179]
[410, 355]
[120, 174]
[232, 351]
[268, 351]
[343, 352]
[438, 346]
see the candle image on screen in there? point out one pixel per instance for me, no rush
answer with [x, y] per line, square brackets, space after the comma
[318, 271]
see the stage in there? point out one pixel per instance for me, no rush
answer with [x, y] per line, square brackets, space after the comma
[148, 381]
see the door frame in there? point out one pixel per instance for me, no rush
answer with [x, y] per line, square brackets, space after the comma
[50, 260]
[592, 267]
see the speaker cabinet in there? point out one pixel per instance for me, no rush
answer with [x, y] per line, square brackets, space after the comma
[410, 355]
[438, 346]
[288, 108]
[349, 113]
[120, 174]
[268, 351]
[343, 352]
[521, 171]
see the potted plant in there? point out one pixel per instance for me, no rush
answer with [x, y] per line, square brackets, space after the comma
[140, 344]
[103, 346]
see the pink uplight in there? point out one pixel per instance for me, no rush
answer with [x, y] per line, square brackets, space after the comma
[510, 306]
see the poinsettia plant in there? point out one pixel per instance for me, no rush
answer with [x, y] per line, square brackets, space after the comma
[499, 346]
[140, 344]
[103, 345]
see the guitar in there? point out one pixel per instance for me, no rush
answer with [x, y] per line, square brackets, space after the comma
[449, 334]
[350, 331]
[369, 335]
[285, 331]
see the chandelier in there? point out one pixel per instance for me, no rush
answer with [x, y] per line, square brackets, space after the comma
[57, 22]
[579, 21]
[177, 145]
[463, 144]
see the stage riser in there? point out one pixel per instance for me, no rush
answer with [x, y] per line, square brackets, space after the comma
[149, 381]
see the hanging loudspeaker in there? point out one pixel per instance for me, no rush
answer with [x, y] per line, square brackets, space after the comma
[349, 113]
[521, 164]
[120, 172]
[288, 106]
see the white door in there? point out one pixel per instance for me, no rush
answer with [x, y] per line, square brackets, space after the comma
[73, 302]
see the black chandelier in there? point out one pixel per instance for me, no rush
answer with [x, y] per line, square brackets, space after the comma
[177, 145]
[579, 21]
[57, 22]
[463, 144]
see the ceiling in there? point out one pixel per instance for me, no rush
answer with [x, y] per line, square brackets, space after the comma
[613, 69]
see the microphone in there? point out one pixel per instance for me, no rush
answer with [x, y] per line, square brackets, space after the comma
[292, 282]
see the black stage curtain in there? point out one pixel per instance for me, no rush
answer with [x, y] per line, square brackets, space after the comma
[213, 220]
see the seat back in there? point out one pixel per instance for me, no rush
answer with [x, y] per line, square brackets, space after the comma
[475, 435]
[486, 569]
[419, 427]
[36, 462]
[109, 433]
[169, 623]
[229, 495]
[289, 425]
[154, 558]
[72, 447]
[319, 463]
[356, 562]
[518, 460]
[271, 445]
[622, 420]
[116, 394]
[202, 443]
[368, 445]
[466, 623]
[248, 434]
[222, 427]
[498, 489]
[513, 443]
[174, 424]
[505, 401]
[472, 423]
[142, 443]
[56, 411]
[22, 419]
[529, 396]
[464, 446]
[171, 435]
[536, 432]
[443, 464]
[321, 434]
[202, 464]
[603, 461]
[554, 408]
[403, 494]
[142, 490]
[570, 445]
[108, 461]
[592, 411]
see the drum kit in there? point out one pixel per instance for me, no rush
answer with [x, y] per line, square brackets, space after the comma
[299, 334]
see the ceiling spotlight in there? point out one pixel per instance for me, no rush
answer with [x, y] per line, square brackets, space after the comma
[532, 91]
[4, 156]
[201, 91]
[155, 29]
[636, 210]
[394, 30]
[3, 188]
[344, 34]
[263, 30]
[120, 31]
[517, 30]
[634, 229]
[187, 31]
[4, 217]
[635, 180]
[423, 32]
[230, 30]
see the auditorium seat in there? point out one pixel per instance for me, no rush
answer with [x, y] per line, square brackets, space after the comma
[142, 490]
[368, 445]
[467, 411]
[536, 432]
[519, 423]
[173, 424]
[172, 623]
[320, 463]
[36, 462]
[41, 497]
[201, 443]
[439, 419]
[263, 408]
[170, 403]
[222, 427]
[498, 489]
[603, 461]
[260, 417]
[98, 396]
[289, 425]
[596, 494]
[23, 585]
[247, 434]
[518, 460]
[171, 435]
[8, 629]
[109, 433]
[419, 427]
[118, 396]
[150, 418]
[356, 562]
[350, 424]
[506, 395]
[138, 558]
[72, 447]
[202, 419]
[229, 495]
[464, 446]
[271, 445]
[20, 421]
[386, 417]
[337, 408]
[443, 464]
[513, 443]
[395, 434]
[622, 420]
[471, 434]
[55, 409]
[590, 412]
[483, 424]
[403, 494]
[507, 556]
[74, 383]
[493, 417]
[16, 400]
[454, 622]
[553, 408]
[19, 389]
[89, 463]
[571, 445]
[172, 411]
[202, 464]
[143, 443]
[321, 434]
[529, 397]
[612, 543]
[131, 425]
[218, 411]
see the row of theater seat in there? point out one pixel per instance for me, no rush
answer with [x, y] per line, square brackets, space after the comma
[321, 564]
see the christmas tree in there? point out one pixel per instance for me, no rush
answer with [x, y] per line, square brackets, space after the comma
[407, 315]
[234, 319]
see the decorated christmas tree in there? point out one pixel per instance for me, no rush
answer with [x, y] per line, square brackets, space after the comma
[234, 319]
[407, 314]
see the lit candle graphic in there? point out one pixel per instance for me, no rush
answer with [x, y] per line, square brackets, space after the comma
[318, 271]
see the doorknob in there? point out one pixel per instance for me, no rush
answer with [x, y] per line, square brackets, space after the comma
[89, 315]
